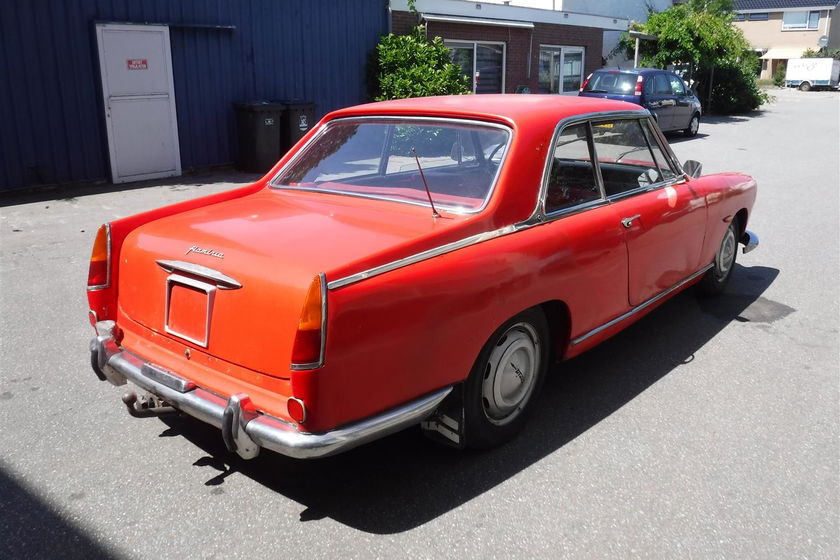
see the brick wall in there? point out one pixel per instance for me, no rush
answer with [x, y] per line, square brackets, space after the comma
[519, 42]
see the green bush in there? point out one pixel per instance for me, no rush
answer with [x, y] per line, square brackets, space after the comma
[822, 53]
[734, 89]
[415, 66]
[779, 75]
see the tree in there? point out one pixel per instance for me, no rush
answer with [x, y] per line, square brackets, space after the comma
[700, 35]
[415, 66]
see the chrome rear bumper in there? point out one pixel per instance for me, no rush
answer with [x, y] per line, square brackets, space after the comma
[244, 429]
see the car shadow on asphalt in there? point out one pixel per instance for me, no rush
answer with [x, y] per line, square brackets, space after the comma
[403, 481]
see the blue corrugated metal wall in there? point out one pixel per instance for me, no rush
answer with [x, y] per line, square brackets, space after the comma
[52, 129]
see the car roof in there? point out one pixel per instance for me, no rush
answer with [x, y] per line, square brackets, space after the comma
[643, 71]
[518, 110]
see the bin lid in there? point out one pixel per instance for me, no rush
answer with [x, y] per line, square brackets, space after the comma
[295, 103]
[256, 106]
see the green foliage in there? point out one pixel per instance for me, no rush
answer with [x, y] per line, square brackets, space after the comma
[700, 34]
[415, 66]
[822, 53]
[779, 75]
[735, 89]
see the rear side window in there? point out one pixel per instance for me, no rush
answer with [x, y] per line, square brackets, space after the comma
[571, 179]
[611, 82]
[661, 85]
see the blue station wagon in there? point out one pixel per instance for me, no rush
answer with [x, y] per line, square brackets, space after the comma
[671, 102]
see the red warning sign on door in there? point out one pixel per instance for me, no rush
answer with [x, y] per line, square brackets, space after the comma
[137, 64]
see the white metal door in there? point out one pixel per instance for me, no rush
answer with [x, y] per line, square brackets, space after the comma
[136, 67]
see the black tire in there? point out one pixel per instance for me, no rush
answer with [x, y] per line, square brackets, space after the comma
[503, 385]
[715, 280]
[693, 126]
[804, 86]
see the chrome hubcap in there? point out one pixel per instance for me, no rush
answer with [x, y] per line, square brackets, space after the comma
[510, 374]
[695, 124]
[726, 253]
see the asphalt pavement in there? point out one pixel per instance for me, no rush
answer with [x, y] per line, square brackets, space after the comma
[707, 430]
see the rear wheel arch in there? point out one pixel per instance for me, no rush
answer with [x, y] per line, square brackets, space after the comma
[741, 217]
[559, 320]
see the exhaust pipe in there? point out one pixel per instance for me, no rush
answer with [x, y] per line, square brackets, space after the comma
[145, 408]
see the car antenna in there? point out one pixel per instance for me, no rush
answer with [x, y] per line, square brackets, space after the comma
[425, 184]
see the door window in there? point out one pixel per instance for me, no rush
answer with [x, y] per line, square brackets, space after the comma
[629, 156]
[677, 85]
[661, 85]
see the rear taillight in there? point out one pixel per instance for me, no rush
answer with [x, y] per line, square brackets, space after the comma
[586, 81]
[308, 349]
[639, 83]
[99, 273]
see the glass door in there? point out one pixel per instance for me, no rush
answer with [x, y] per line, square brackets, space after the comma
[560, 69]
[572, 69]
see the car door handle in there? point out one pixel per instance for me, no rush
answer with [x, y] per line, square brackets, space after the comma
[627, 222]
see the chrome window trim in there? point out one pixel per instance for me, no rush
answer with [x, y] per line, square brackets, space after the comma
[642, 306]
[538, 216]
[386, 118]
[322, 280]
[107, 283]
[539, 209]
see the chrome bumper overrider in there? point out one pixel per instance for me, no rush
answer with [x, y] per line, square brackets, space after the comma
[750, 241]
[244, 429]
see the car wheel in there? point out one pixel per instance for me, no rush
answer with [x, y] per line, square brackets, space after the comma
[716, 279]
[503, 385]
[693, 126]
[804, 86]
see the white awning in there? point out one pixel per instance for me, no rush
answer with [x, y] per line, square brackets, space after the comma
[782, 53]
[478, 21]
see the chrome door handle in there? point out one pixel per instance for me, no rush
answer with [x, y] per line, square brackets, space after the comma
[627, 222]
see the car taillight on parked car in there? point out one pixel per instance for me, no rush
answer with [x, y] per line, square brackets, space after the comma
[308, 349]
[639, 82]
[99, 273]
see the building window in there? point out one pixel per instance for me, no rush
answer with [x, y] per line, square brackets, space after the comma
[561, 69]
[761, 16]
[483, 63]
[738, 17]
[801, 20]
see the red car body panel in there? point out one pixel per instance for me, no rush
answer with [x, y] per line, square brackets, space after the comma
[394, 336]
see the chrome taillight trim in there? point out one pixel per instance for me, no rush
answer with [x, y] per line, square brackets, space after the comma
[107, 283]
[322, 280]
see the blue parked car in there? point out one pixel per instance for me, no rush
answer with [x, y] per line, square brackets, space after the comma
[672, 103]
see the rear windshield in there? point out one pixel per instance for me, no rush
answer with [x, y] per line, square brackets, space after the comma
[384, 158]
[611, 82]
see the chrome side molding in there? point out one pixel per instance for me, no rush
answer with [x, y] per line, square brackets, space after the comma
[642, 306]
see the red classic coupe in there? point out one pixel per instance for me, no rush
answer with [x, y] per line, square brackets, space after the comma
[419, 261]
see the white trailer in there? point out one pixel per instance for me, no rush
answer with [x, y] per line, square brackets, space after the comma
[810, 73]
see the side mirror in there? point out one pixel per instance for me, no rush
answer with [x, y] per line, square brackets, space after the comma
[692, 168]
